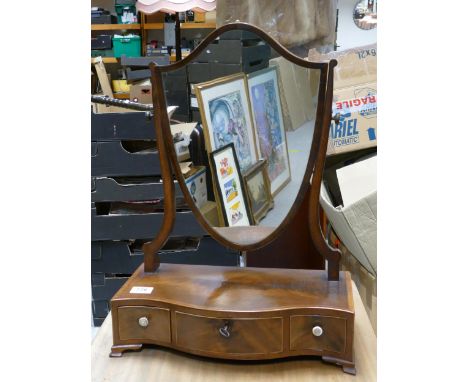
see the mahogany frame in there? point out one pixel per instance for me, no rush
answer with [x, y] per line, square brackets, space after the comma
[256, 238]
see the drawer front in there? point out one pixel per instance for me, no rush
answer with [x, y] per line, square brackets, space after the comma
[118, 256]
[232, 336]
[112, 159]
[121, 126]
[330, 337]
[132, 323]
[141, 226]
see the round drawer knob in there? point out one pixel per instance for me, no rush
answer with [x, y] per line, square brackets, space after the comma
[143, 322]
[317, 331]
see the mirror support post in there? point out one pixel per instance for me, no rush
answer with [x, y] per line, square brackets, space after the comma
[150, 249]
[332, 255]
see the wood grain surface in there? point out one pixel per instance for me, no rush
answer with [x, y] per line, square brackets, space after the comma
[162, 364]
[334, 333]
[254, 305]
[130, 329]
[244, 336]
[237, 290]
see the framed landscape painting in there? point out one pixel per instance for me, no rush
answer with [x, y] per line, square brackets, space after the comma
[257, 185]
[269, 130]
[225, 112]
[230, 195]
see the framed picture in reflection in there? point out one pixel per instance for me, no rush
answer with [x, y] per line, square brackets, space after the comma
[230, 191]
[269, 129]
[257, 186]
[226, 118]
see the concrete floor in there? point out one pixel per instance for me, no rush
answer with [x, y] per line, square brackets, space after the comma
[299, 142]
[94, 330]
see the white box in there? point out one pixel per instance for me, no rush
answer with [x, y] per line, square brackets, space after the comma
[196, 184]
[181, 133]
[355, 222]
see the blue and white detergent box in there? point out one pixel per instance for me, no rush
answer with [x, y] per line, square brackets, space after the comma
[357, 128]
[354, 97]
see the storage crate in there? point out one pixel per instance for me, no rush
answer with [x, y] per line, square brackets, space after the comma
[102, 52]
[103, 41]
[104, 189]
[120, 226]
[240, 35]
[124, 2]
[122, 126]
[104, 19]
[235, 52]
[124, 257]
[144, 61]
[128, 45]
[122, 9]
[100, 310]
[114, 158]
[98, 321]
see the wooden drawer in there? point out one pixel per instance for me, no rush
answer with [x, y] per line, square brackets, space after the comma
[333, 337]
[158, 320]
[242, 336]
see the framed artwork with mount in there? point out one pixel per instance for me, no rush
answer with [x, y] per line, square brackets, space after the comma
[231, 195]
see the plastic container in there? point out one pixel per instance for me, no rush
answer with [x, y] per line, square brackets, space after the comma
[128, 45]
[124, 2]
[102, 53]
[123, 12]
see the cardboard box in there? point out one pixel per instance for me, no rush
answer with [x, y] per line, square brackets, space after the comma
[356, 227]
[366, 283]
[355, 66]
[210, 17]
[141, 92]
[355, 220]
[297, 86]
[199, 17]
[357, 128]
[354, 97]
[181, 135]
[104, 80]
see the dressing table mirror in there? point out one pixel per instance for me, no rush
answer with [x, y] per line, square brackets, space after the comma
[256, 148]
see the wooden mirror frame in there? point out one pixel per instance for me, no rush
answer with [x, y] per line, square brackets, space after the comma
[262, 235]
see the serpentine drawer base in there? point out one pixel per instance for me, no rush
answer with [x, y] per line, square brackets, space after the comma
[236, 313]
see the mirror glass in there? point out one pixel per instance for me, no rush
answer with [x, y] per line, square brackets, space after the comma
[245, 145]
[365, 14]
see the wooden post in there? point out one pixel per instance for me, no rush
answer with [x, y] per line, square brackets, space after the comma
[177, 37]
[143, 34]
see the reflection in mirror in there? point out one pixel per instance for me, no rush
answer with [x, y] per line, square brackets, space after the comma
[253, 114]
[365, 14]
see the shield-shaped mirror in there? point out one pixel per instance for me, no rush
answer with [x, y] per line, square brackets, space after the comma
[244, 160]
